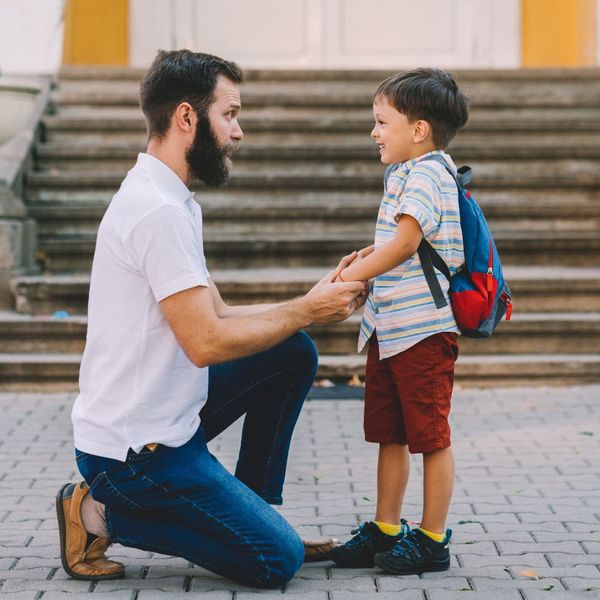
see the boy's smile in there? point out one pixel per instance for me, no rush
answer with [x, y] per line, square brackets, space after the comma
[398, 139]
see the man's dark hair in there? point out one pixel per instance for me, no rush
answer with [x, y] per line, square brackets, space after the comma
[431, 95]
[178, 76]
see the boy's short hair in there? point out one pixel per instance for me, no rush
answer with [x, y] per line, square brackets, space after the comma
[178, 76]
[431, 95]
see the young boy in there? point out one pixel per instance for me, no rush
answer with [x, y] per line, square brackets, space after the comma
[412, 344]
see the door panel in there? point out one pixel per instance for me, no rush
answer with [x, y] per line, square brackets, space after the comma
[341, 34]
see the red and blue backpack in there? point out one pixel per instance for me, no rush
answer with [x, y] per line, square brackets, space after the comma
[479, 296]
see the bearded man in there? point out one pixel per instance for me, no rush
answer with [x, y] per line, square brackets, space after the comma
[168, 365]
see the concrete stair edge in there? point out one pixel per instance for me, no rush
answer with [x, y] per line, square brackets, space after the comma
[60, 372]
[76, 72]
[531, 333]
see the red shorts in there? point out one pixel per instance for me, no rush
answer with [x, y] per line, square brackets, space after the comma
[407, 396]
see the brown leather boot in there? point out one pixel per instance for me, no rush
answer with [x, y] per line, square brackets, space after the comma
[317, 550]
[79, 559]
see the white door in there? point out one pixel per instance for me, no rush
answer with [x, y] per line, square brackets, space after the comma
[332, 34]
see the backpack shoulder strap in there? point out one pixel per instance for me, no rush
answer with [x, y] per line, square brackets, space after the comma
[463, 174]
[427, 255]
[430, 258]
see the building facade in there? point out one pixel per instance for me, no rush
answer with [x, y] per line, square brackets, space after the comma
[40, 35]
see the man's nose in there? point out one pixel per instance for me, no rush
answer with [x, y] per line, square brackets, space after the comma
[237, 133]
[374, 132]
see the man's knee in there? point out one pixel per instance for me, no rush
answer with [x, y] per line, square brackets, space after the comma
[301, 349]
[287, 556]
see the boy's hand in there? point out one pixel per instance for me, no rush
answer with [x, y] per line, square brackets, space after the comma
[360, 255]
[346, 260]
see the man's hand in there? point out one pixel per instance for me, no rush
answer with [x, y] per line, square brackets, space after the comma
[327, 302]
[362, 297]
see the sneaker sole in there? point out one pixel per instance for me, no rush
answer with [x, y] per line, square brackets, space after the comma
[352, 566]
[432, 568]
[62, 532]
[348, 565]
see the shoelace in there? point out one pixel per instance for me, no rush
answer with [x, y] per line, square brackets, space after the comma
[360, 537]
[404, 527]
[406, 545]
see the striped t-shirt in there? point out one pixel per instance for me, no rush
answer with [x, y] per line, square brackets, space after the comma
[400, 308]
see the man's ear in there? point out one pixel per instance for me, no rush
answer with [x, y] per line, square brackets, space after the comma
[184, 117]
[421, 131]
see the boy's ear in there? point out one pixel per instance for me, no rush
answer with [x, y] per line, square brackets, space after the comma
[421, 131]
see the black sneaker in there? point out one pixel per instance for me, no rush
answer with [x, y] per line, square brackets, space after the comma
[416, 553]
[368, 541]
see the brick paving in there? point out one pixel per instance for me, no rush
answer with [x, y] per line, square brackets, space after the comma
[526, 510]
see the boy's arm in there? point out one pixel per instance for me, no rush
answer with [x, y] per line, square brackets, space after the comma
[404, 245]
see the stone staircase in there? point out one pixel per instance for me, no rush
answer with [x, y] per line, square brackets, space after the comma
[305, 189]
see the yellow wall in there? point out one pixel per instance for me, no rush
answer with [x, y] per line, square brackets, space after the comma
[96, 32]
[558, 33]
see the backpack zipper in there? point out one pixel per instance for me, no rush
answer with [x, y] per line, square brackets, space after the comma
[490, 271]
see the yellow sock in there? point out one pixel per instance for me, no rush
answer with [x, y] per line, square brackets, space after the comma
[388, 528]
[436, 537]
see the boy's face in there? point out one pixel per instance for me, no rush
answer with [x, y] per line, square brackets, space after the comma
[396, 137]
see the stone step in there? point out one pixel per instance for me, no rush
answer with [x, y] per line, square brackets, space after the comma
[273, 204]
[39, 372]
[491, 370]
[71, 211]
[349, 93]
[355, 174]
[534, 333]
[230, 251]
[64, 156]
[82, 125]
[60, 372]
[543, 289]
[93, 73]
[309, 182]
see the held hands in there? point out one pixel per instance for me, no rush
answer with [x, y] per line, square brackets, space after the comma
[353, 258]
[334, 300]
[346, 262]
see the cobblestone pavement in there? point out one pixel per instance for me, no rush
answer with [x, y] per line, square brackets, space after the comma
[526, 510]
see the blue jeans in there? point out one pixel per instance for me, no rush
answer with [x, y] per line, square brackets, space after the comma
[183, 502]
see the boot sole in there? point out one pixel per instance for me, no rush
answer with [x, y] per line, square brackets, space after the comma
[62, 532]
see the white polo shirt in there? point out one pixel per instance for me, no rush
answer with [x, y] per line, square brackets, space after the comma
[137, 386]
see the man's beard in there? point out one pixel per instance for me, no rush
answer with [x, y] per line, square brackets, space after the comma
[206, 158]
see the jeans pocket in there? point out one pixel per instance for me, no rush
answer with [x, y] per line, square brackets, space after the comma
[104, 491]
[144, 454]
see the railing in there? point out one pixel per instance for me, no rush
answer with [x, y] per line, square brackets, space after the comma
[23, 101]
